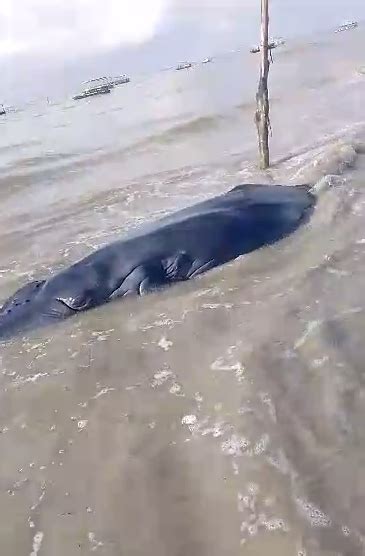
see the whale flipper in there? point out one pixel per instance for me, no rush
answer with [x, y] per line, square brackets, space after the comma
[79, 302]
[142, 279]
[177, 268]
[153, 276]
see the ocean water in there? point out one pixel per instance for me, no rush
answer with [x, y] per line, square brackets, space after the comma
[222, 416]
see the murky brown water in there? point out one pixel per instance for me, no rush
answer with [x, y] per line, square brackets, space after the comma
[223, 416]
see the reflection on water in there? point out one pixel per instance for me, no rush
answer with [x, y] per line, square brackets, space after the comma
[225, 415]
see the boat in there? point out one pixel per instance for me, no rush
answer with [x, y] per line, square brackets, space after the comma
[274, 43]
[184, 65]
[207, 60]
[2, 110]
[346, 26]
[119, 80]
[98, 86]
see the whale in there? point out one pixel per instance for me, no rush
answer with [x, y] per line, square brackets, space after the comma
[178, 247]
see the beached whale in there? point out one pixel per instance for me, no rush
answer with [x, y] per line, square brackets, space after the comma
[175, 248]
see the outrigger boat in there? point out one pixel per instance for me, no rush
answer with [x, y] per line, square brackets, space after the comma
[119, 80]
[99, 86]
[274, 43]
[346, 26]
[184, 65]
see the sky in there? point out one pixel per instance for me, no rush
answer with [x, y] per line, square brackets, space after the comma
[53, 45]
[69, 27]
[76, 26]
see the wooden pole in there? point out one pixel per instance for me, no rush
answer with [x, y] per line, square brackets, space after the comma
[262, 115]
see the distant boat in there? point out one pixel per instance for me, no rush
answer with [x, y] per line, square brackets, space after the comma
[2, 110]
[274, 43]
[119, 80]
[99, 86]
[184, 65]
[346, 26]
[207, 60]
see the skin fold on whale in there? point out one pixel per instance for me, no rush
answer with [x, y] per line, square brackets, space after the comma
[175, 248]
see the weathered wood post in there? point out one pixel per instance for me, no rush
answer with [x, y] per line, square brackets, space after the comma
[262, 115]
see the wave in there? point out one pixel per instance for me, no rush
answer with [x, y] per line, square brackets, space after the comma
[50, 163]
[21, 145]
[200, 124]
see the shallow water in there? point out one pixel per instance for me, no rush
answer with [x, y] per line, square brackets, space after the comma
[225, 415]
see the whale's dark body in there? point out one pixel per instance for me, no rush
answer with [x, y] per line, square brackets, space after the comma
[175, 248]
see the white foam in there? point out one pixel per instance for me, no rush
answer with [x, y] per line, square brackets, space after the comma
[37, 541]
